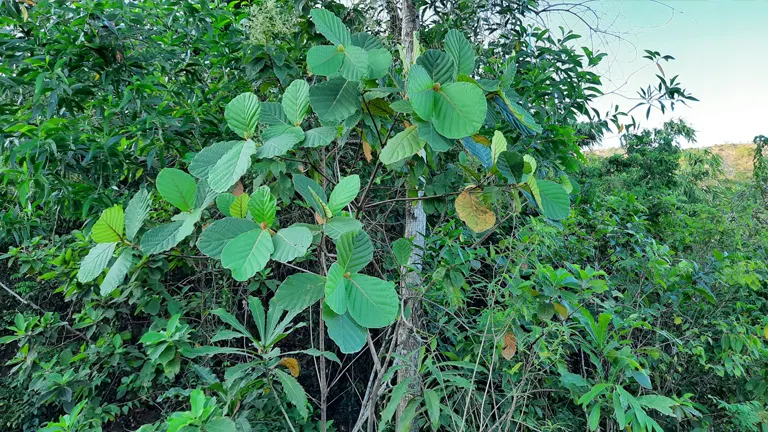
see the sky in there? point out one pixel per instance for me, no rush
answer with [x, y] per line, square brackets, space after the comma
[721, 57]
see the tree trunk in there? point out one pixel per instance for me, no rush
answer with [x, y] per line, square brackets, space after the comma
[408, 338]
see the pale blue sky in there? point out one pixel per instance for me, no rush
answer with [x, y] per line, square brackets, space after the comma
[721, 51]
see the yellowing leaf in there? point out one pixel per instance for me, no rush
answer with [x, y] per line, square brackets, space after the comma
[765, 331]
[510, 346]
[481, 139]
[367, 151]
[291, 364]
[678, 320]
[474, 212]
[561, 310]
[239, 207]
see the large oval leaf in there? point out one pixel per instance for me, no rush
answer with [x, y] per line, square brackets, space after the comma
[348, 335]
[354, 251]
[299, 291]
[263, 206]
[401, 146]
[242, 114]
[208, 157]
[439, 65]
[95, 262]
[117, 272]
[218, 234]
[110, 226]
[459, 110]
[291, 243]
[420, 92]
[330, 26]
[178, 188]
[336, 289]
[296, 101]
[335, 99]
[355, 63]
[324, 60]
[553, 200]
[231, 166]
[372, 302]
[461, 51]
[247, 254]
[162, 238]
[344, 192]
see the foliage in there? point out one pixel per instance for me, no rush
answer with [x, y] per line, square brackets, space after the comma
[204, 205]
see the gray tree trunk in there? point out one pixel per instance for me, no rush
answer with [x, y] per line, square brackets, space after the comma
[408, 338]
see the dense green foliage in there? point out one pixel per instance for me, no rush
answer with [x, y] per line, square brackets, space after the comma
[202, 229]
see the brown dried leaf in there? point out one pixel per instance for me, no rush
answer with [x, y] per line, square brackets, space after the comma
[238, 190]
[481, 140]
[561, 310]
[367, 151]
[474, 212]
[510, 346]
[291, 364]
[319, 219]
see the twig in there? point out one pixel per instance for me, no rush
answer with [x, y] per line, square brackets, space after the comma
[36, 307]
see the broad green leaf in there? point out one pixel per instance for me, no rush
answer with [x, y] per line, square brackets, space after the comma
[529, 164]
[379, 62]
[510, 165]
[401, 146]
[366, 41]
[299, 291]
[354, 251]
[661, 404]
[355, 63]
[231, 166]
[553, 200]
[294, 392]
[188, 219]
[312, 193]
[618, 410]
[409, 413]
[232, 321]
[330, 26]
[461, 50]
[109, 228]
[420, 92]
[263, 207]
[242, 115]
[205, 195]
[436, 142]
[291, 243]
[117, 272]
[197, 402]
[219, 233]
[439, 65]
[459, 110]
[595, 391]
[478, 150]
[320, 137]
[488, 85]
[95, 262]
[221, 424]
[280, 144]
[208, 157]
[372, 302]
[594, 417]
[247, 254]
[223, 201]
[402, 249]
[509, 73]
[517, 116]
[178, 188]
[272, 113]
[344, 192]
[498, 145]
[348, 335]
[642, 379]
[239, 207]
[402, 106]
[335, 99]
[338, 225]
[432, 401]
[324, 60]
[161, 238]
[474, 212]
[395, 397]
[336, 289]
[296, 101]
[136, 212]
